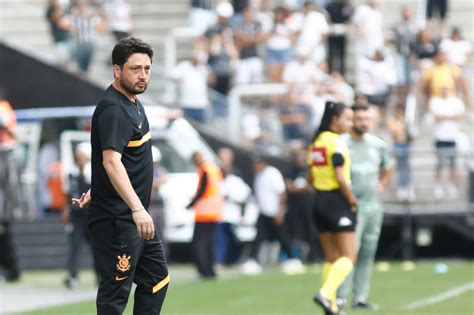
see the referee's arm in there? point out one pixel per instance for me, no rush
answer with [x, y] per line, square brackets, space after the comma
[338, 162]
[119, 178]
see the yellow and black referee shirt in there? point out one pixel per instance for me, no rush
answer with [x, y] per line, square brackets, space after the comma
[321, 161]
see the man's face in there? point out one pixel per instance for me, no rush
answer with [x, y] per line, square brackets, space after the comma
[361, 121]
[135, 73]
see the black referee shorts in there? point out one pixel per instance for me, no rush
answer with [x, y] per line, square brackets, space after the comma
[122, 259]
[332, 212]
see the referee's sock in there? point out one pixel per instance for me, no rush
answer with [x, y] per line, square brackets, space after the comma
[326, 267]
[338, 272]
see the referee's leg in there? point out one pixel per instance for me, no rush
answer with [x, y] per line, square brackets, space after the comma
[361, 227]
[152, 278]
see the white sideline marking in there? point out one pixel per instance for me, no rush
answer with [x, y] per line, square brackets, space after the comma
[440, 297]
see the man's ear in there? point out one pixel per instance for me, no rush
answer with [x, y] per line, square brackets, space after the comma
[117, 71]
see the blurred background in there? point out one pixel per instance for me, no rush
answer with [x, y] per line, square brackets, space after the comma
[248, 75]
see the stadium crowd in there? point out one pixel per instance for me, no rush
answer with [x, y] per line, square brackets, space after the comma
[305, 46]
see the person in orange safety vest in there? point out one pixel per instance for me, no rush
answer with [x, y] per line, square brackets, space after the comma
[208, 203]
[7, 124]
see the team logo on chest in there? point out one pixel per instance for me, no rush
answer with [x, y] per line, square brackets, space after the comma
[123, 263]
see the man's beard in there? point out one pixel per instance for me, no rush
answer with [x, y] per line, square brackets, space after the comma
[132, 89]
[359, 131]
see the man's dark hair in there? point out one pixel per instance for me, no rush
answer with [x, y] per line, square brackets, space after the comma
[128, 46]
[358, 107]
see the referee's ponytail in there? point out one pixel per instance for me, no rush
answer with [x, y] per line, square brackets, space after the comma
[331, 110]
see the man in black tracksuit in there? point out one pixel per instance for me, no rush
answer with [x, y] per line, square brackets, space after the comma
[126, 247]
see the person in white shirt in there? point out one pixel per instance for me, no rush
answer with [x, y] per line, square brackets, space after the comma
[279, 44]
[457, 49]
[192, 77]
[119, 17]
[369, 37]
[448, 112]
[375, 77]
[269, 190]
[236, 194]
[311, 27]
[301, 71]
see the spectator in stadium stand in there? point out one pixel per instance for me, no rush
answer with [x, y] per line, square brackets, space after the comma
[157, 206]
[303, 236]
[208, 204]
[340, 89]
[457, 50]
[403, 37]
[369, 38]
[294, 117]
[448, 111]
[201, 15]
[398, 129]
[436, 13]
[119, 17]
[443, 75]
[279, 42]
[9, 268]
[424, 49]
[311, 27]
[301, 71]
[335, 205]
[239, 6]
[340, 13]
[75, 218]
[236, 194]
[223, 54]
[84, 25]
[192, 77]
[247, 37]
[376, 77]
[60, 33]
[371, 168]
[269, 189]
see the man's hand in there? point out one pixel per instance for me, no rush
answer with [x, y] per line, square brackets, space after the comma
[84, 201]
[144, 223]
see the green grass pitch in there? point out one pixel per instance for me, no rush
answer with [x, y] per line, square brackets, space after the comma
[278, 294]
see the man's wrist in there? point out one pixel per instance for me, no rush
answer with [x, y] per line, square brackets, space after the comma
[138, 210]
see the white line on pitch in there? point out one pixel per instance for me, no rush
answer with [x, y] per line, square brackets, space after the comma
[440, 297]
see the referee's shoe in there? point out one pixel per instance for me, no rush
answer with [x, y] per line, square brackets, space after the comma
[326, 304]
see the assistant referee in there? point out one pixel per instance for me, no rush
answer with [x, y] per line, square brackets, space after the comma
[126, 247]
[335, 205]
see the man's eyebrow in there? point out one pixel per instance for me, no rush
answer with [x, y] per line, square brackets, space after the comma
[139, 66]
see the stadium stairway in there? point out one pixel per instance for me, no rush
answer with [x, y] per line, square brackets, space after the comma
[43, 244]
[23, 23]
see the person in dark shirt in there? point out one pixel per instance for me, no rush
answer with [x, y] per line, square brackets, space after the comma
[60, 32]
[340, 12]
[75, 218]
[299, 201]
[248, 35]
[126, 247]
[424, 48]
